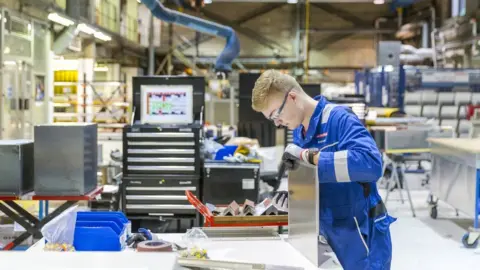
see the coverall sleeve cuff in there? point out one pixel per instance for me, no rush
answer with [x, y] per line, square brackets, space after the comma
[326, 167]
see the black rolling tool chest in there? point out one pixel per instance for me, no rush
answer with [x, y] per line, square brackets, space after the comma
[159, 165]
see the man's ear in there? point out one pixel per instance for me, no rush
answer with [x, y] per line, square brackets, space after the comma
[292, 95]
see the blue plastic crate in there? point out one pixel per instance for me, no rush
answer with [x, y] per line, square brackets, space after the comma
[99, 236]
[97, 216]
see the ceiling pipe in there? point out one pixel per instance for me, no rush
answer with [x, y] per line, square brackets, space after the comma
[400, 17]
[62, 42]
[351, 30]
[425, 35]
[376, 38]
[433, 16]
[311, 1]
[223, 63]
[254, 60]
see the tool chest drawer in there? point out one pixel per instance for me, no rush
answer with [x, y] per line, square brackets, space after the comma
[158, 151]
[288, 136]
[159, 195]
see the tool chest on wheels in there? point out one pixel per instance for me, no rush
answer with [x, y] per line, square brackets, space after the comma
[159, 165]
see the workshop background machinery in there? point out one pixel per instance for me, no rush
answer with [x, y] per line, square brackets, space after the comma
[443, 96]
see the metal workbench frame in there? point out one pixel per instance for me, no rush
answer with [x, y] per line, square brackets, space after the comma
[449, 165]
[29, 222]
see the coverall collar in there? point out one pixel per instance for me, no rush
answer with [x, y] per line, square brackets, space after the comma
[314, 120]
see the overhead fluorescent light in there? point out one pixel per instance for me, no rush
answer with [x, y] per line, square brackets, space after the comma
[388, 68]
[54, 17]
[379, 2]
[102, 36]
[9, 63]
[101, 68]
[86, 29]
[207, 1]
[139, 1]
[292, 1]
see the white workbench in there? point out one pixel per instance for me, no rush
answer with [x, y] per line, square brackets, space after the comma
[275, 252]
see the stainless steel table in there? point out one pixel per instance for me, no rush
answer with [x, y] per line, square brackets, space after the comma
[455, 179]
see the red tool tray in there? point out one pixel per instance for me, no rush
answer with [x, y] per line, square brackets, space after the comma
[235, 221]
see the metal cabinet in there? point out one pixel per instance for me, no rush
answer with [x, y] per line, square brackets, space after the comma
[227, 182]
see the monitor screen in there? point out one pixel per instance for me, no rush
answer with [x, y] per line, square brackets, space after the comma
[167, 104]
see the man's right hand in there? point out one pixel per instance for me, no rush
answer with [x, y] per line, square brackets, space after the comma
[291, 156]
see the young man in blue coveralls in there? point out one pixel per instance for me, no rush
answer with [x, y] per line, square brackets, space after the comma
[353, 218]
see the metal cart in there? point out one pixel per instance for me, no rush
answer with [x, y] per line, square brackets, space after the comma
[455, 179]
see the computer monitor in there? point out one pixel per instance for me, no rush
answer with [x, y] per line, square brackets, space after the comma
[197, 84]
[166, 104]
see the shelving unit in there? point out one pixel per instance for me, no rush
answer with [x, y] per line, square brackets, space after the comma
[455, 43]
[107, 104]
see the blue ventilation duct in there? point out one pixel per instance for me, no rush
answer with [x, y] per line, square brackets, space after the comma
[232, 47]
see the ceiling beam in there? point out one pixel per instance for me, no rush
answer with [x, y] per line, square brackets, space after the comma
[245, 31]
[256, 12]
[344, 15]
[323, 44]
[340, 13]
[237, 26]
[352, 30]
[245, 18]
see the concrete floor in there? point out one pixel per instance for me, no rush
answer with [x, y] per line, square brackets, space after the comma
[424, 243]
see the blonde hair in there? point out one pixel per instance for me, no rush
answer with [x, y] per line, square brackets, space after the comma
[269, 83]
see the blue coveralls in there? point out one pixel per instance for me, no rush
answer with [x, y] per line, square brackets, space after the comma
[353, 217]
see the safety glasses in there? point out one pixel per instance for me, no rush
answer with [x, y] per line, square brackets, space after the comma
[276, 114]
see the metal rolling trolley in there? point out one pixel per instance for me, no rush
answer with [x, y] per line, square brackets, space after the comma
[456, 179]
[397, 146]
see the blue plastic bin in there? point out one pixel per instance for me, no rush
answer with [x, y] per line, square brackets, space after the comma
[99, 236]
[226, 151]
[97, 216]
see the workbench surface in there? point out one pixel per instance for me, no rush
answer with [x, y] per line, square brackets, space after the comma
[273, 252]
[462, 144]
